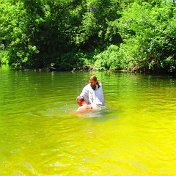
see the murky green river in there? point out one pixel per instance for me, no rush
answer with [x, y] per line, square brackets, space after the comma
[41, 135]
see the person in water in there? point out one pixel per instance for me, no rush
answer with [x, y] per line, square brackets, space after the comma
[93, 93]
[83, 106]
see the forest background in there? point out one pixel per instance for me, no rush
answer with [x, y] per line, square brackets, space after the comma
[131, 35]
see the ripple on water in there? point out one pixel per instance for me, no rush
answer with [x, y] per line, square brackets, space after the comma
[40, 133]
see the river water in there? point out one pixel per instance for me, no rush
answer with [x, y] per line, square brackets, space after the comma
[41, 135]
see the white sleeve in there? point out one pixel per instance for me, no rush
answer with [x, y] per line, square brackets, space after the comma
[85, 94]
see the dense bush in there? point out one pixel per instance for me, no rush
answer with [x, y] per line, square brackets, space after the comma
[149, 36]
[135, 35]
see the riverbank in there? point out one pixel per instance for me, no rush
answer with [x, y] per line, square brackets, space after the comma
[87, 69]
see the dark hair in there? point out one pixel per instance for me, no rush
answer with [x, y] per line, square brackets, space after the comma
[80, 98]
[93, 77]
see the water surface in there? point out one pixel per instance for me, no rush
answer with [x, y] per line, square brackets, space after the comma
[40, 133]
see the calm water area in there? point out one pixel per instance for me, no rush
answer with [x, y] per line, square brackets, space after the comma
[41, 135]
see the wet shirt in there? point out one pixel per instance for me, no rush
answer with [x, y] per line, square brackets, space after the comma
[93, 97]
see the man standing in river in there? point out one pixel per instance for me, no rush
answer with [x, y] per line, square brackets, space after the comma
[93, 93]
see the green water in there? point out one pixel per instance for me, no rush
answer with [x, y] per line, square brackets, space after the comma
[41, 135]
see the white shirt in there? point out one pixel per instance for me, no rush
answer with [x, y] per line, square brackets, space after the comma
[93, 97]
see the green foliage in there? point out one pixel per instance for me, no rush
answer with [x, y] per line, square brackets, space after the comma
[31, 33]
[94, 30]
[14, 34]
[151, 32]
[108, 59]
[3, 57]
[70, 61]
[107, 34]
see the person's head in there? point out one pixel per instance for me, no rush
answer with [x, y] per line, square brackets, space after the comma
[80, 100]
[93, 82]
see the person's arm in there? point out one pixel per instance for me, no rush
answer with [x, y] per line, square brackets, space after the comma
[85, 94]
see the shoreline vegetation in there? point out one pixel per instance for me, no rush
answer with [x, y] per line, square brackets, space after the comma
[89, 70]
[108, 35]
